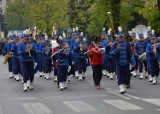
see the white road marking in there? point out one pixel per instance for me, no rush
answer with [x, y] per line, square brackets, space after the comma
[122, 105]
[71, 97]
[128, 95]
[153, 101]
[22, 98]
[118, 94]
[58, 97]
[83, 96]
[36, 108]
[79, 106]
[158, 109]
[1, 111]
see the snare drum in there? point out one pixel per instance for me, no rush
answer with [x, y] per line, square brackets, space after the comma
[142, 57]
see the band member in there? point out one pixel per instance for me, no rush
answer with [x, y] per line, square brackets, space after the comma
[54, 49]
[73, 40]
[63, 64]
[96, 57]
[80, 48]
[148, 40]
[133, 43]
[152, 59]
[27, 53]
[104, 44]
[9, 56]
[123, 56]
[39, 57]
[47, 52]
[140, 49]
[16, 64]
[109, 58]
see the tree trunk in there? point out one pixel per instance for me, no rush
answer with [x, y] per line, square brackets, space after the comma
[158, 3]
[116, 6]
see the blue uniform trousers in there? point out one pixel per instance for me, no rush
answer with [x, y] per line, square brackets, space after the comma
[81, 65]
[122, 74]
[48, 65]
[62, 73]
[16, 66]
[110, 65]
[141, 66]
[28, 71]
[154, 67]
[10, 62]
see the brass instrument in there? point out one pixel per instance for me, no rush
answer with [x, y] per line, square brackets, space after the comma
[7, 56]
[47, 50]
[28, 48]
[81, 47]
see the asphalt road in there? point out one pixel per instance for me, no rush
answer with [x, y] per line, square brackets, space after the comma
[81, 97]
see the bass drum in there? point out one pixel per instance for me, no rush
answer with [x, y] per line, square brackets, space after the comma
[141, 29]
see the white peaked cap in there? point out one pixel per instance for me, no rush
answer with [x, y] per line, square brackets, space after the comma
[120, 29]
[149, 28]
[153, 32]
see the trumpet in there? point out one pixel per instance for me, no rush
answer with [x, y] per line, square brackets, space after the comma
[28, 48]
[47, 50]
[81, 47]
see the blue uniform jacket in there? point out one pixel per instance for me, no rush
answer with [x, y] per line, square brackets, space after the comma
[25, 55]
[137, 48]
[77, 52]
[116, 54]
[149, 50]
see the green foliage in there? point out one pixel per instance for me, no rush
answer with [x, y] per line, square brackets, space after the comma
[41, 13]
[89, 15]
[151, 13]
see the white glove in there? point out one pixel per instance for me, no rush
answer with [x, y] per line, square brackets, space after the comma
[35, 64]
[69, 68]
[86, 61]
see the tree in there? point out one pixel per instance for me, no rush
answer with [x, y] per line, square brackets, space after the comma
[41, 13]
[14, 15]
[151, 13]
[78, 14]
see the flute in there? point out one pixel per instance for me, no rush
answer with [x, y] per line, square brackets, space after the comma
[90, 50]
[57, 52]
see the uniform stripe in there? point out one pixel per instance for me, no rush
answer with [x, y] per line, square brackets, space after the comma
[79, 106]
[36, 108]
[153, 101]
[122, 105]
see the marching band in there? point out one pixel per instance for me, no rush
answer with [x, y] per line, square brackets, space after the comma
[69, 57]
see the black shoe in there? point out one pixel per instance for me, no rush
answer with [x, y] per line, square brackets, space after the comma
[83, 78]
[40, 75]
